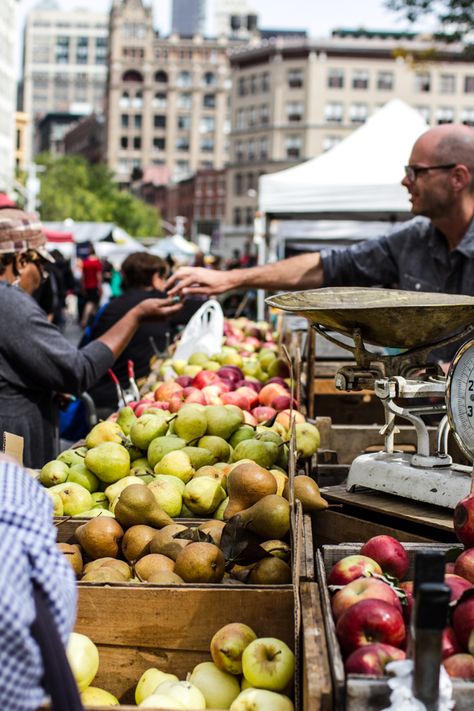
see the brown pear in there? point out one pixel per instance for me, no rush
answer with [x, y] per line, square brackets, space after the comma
[100, 563]
[200, 563]
[136, 542]
[164, 542]
[103, 575]
[100, 537]
[73, 554]
[165, 577]
[307, 491]
[268, 518]
[277, 548]
[152, 563]
[137, 505]
[247, 483]
[214, 529]
[270, 571]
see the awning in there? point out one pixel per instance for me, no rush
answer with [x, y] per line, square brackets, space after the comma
[58, 237]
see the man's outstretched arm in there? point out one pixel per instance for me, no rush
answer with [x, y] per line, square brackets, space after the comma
[302, 272]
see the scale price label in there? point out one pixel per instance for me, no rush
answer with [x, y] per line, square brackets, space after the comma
[460, 398]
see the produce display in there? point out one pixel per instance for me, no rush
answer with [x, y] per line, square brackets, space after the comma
[246, 672]
[372, 603]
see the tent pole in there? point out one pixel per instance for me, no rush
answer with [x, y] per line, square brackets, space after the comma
[259, 225]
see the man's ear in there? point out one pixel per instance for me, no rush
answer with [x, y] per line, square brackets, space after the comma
[157, 282]
[461, 177]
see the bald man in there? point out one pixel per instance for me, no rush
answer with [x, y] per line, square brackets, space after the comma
[432, 252]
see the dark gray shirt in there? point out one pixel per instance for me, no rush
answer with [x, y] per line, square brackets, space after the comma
[35, 362]
[414, 257]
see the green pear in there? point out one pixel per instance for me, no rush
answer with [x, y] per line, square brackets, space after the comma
[80, 474]
[223, 420]
[161, 446]
[168, 493]
[94, 512]
[265, 358]
[134, 452]
[212, 365]
[73, 456]
[141, 469]
[278, 368]
[106, 431]
[109, 461]
[253, 368]
[177, 464]
[219, 512]
[264, 453]
[54, 472]
[267, 434]
[115, 489]
[231, 357]
[148, 427]
[186, 513]
[126, 418]
[137, 505]
[190, 423]
[100, 500]
[269, 517]
[198, 358]
[58, 508]
[218, 446]
[283, 457]
[203, 495]
[75, 498]
[199, 456]
[243, 432]
[179, 366]
[308, 439]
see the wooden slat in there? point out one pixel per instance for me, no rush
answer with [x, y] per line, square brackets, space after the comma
[316, 674]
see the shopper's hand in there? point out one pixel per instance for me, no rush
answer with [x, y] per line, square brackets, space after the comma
[157, 309]
[197, 280]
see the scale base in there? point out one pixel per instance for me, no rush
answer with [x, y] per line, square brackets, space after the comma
[393, 474]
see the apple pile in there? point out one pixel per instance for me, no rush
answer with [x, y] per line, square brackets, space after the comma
[372, 604]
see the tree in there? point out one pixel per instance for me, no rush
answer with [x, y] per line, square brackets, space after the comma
[456, 17]
[72, 187]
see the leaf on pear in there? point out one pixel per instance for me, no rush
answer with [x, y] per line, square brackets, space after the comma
[239, 545]
[195, 535]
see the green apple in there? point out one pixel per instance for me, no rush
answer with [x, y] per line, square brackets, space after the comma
[183, 691]
[218, 687]
[228, 644]
[261, 700]
[149, 681]
[160, 701]
[93, 696]
[268, 663]
[83, 657]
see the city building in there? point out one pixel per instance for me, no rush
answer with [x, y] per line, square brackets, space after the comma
[8, 9]
[64, 64]
[51, 129]
[292, 99]
[188, 17]
[87, 139]
[233, 17]
[167, 98]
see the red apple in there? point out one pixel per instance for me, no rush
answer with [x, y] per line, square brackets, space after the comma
[464, 521]
[464, 565]
[463, 620]
[352, 567]
[269, 392]
[254, 384]
[278, 380]
[249, 393]
[283, 402]
[184, 380]
[407, 606]
[249, 419]
[460, 666]
[457, 584]
[370, 621]
[205, 377]
[194, 395]
[372, 659]
[235, 398]
[389, 554]
[363, 589]
[212, 395]
[449, 643]
[263, 413]
[168, 390]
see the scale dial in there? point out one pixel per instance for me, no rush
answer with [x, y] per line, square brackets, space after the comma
[460, 398]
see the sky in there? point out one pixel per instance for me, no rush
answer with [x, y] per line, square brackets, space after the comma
[318, 17]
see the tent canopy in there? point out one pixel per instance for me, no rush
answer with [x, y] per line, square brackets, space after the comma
[359, 178]
[174, 245]
[109, 240]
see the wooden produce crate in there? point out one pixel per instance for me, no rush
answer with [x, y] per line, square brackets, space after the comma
[171, 628]
[355, 692]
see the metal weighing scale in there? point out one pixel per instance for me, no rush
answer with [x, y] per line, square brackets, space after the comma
[407, 383]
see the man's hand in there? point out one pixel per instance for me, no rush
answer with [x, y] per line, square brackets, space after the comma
[197, 280]
[157, 309]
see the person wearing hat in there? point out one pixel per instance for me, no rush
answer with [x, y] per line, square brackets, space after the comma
[36, 360]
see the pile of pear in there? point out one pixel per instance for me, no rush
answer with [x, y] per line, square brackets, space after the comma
[181, 460]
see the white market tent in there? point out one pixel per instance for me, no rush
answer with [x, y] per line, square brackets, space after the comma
[108, 239]
[357, 179]
[175, 245]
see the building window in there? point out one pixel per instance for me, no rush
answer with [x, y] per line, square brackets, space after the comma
[358, 113]
[159, 121]
[184, 79]
[242, 87]
[183, 123]
[159, 144]
[445, 114]
[137, 101]
[207, 124]
[265, 81]
[447, 84]
[209, 101]
[123, 141]
[185, 101]
[101, 50]
[360, 79]
[207, 145]
[240, 119]
[293, 146]
[330, 141]
[209, 79]
[264, 114]
[251, 181]
[161, 77]
[182, 143]
[336, 79]
[333, 113]
[237, 217]
[264, 147]
[137, 120]
[159, 101]
[252, 116]
[82, 50]
[125, 99]
[249, 216]
[295, 78]
[251, 152]
[238, 184]
[132, 77]
[294, 111]
[239, 151]
[469, 85]
[62, 50]
[425, 111]
[467, 117]
[137, 143]
[253, 84]
[422, 82]
[124, 120]
[385, 81]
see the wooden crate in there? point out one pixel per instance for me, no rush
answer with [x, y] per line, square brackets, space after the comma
[172, 628]
[360, 692]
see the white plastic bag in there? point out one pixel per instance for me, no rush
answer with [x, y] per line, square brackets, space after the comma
[203, 333]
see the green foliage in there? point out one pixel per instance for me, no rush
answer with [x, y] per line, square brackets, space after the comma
[72, 187]
[455, 17]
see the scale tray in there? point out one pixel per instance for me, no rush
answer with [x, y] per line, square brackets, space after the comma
[385, 317]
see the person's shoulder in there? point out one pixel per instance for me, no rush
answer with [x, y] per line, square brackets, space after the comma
[411, 229]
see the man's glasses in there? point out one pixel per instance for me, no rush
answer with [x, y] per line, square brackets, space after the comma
[413, 171]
